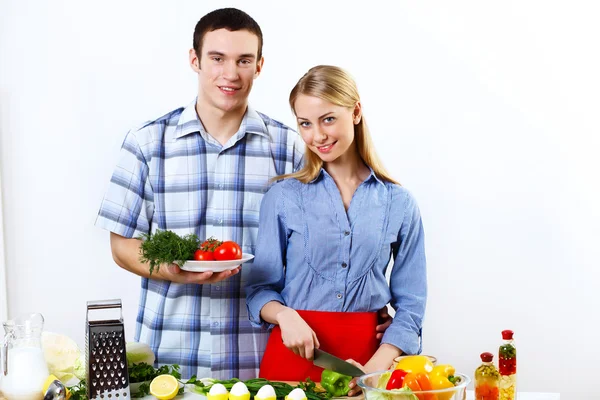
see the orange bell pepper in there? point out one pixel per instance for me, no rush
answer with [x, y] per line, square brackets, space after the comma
[410, 381]
[418, 383]
[425, 384]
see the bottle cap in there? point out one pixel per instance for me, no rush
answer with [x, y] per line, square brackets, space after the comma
[487, 357]
[507, 334]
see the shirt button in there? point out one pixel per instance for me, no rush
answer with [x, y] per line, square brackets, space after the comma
[339, 295]
[220, 221]
[344, 265]
[217, 287]
[346, 233]
[220, 186]
[215, 324]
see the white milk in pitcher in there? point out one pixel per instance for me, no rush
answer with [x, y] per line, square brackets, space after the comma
[27, 372]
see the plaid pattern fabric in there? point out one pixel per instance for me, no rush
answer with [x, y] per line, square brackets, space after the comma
[172, 175]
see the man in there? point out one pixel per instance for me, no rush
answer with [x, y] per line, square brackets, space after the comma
[201, 169]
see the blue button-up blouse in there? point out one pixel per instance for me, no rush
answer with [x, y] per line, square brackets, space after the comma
[312, 254]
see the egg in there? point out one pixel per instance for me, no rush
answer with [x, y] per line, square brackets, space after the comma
[266, 392]
[217, 392]
[296, 394]
[239, 391]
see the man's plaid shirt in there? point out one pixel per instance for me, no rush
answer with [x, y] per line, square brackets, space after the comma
[172, 175]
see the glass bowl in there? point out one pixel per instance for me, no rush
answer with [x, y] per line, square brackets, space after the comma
[368, 384]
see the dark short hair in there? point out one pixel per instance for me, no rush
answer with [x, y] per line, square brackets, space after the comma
[231, 19]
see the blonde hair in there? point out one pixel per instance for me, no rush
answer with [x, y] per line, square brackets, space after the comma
[336, 86]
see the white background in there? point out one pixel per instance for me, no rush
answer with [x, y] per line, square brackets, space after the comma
[487, 112]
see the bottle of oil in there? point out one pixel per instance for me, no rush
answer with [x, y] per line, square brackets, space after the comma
[507, 366]
[487, 379]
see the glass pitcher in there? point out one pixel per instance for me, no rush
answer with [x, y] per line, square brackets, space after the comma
[23, 370]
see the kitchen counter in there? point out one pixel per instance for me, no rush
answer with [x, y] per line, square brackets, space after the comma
[470, 396]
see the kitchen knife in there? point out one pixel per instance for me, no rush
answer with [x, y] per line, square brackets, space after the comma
[329, 361]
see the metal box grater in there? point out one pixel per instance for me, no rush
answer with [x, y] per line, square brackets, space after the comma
[106, 357]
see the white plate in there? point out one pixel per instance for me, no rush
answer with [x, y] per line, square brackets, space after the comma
[215, 266]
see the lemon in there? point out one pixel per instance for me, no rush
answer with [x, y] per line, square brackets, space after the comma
[164, 387]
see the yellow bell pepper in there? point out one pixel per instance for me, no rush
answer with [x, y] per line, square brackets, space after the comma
[439, 380]
[415, 364]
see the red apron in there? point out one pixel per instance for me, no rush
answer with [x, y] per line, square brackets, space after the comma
[343, 334]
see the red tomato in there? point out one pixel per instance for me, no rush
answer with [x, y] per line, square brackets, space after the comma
[201, 255]
[228, 251]
[210, 244]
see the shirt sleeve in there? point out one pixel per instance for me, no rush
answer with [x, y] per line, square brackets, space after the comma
[408, 282]
[128, 205]
[299, 149]
[266, 281]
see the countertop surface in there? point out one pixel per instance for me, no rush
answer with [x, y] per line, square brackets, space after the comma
[470, 396]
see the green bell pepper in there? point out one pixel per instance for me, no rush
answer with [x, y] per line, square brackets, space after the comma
[335, 383]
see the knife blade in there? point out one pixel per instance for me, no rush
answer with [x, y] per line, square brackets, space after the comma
[329, 361]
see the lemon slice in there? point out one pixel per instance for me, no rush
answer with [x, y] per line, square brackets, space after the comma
[164, 387]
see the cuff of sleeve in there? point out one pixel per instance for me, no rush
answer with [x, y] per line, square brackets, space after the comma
[408, 341]
[256, 304]
[115, 227]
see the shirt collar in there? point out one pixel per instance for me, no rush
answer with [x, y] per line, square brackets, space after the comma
[189, 122]
[372, 175]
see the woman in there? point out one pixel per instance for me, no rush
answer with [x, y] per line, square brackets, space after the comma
[326, 236]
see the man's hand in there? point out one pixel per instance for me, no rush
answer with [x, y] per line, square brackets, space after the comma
[296, 334]
[175, 274]
[385, 320]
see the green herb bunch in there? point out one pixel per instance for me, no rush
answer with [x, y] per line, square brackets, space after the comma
[166, 247]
